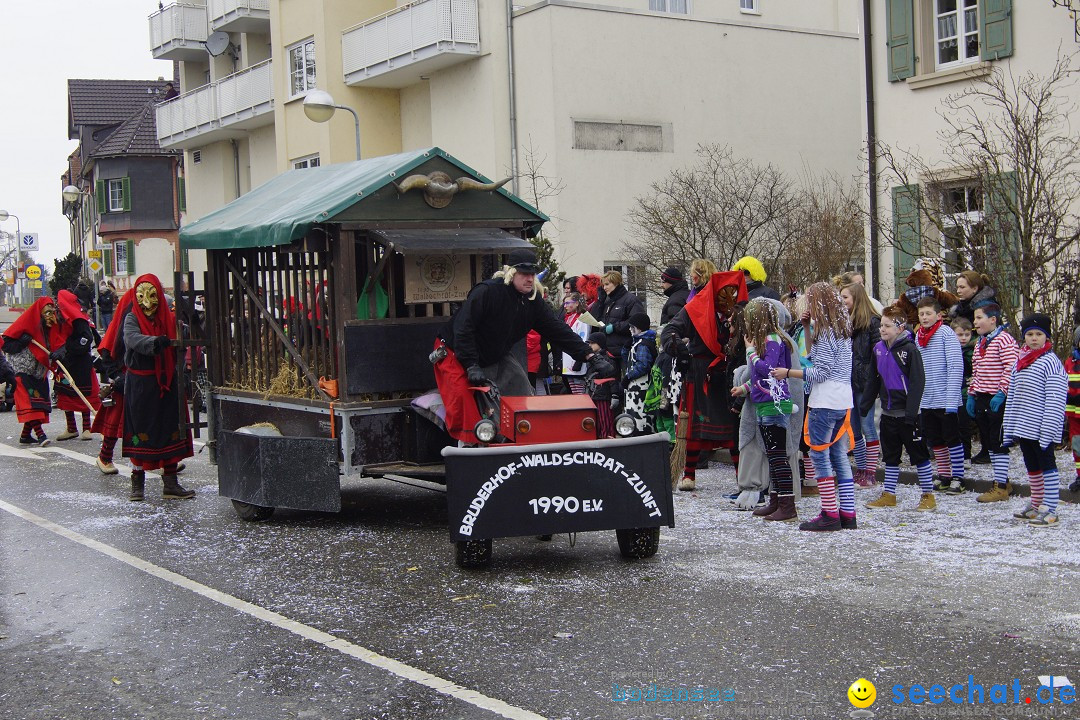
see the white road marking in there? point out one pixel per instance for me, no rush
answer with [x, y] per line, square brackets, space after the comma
[394, 667]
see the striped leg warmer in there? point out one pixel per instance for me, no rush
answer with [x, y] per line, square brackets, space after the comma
[827, 488]
[1000, 463]
[85, 421]
[26, 428]
[808, 467]
[107, 445]
[70, 416]
[1051, 489]
[892, 475]
[780, 473]
[693, 456]
[926, 477]
[845, 488]
[956, 461]
[941, 461]
[36, 425]
[873, 454]
[860, 453]
[1036, 480]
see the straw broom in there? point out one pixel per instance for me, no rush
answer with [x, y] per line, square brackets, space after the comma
[678, 452]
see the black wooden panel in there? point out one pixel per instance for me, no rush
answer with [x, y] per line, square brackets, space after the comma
[378, 437]
[390, 357]
[289, 472]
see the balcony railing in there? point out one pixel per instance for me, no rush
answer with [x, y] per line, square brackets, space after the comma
[218, 111]
[394, 49]
[178, 31]
[248, 16]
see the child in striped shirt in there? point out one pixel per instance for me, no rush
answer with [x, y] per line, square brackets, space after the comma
[828, 421]
[1072, 408]
[993, 360]
[943, 363]
[1035, 417]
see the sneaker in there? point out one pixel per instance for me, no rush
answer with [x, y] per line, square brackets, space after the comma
[864, 477]
[822, 523]
[1044, 519]
[687, 484]
[28, 440]
[1028, 513]
[730, 496]
[86, 435]
[67, 435]
[982, 458]
[927, 503]
[43, 441]
[106, 468]
[941, 483]
[995, 494]
[887, 499]
[848, 523]
[956, 487]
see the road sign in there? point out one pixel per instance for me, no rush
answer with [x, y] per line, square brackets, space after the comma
[35, 284]
[33, 272]
[95, 265]
[28, 241]
[93, 253]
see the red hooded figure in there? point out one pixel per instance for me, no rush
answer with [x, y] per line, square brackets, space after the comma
[28, 343]
[74, 353]
[109, 421]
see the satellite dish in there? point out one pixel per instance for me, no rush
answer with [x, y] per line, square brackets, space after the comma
[218, 43]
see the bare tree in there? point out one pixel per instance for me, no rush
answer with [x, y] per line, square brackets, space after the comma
[724, 207]
[538, 188]
[1008, 142]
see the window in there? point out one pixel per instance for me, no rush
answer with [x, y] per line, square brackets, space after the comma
[956, 31]
[113, 195]
[748, 6]
[120, 257]
[682, 7]
[964, 236]
[301, 68]
[633, 277]
[310, 161]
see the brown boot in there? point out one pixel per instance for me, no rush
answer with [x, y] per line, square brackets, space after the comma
[768, 509]
[138, 480]
[785, 510]
[174, 490]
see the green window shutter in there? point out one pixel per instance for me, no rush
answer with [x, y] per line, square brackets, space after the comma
[907, 231]
[995, 32]
[130, 256]
[185, 262]
[900, 31]
[102, 201]
[1003, 237]
[106, 260]
[126, 191]
[181, 195]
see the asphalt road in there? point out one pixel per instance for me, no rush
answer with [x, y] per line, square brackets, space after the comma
[177, 609]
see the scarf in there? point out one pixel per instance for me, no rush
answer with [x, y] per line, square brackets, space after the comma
[706, 315]
[115, 334]
[923, 335]
[163, 323]
[29, 323]
[1028, 356]
[985, 340]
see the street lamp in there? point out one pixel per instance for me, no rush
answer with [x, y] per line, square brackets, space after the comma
[73, 198]
[4, 215]
[319, 106]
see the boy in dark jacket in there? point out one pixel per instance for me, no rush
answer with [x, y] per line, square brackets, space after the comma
[601, 387]
[897, 376]
[638, 360]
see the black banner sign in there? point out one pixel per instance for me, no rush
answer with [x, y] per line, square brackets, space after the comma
[562, 487]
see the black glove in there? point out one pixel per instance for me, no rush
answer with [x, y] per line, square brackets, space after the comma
[16, 345]
[160, 343]
[476, 376]
[58, 354]
[118, 384]
[601, 366]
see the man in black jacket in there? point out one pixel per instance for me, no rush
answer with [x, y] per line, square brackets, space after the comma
[676, 290]
[476, 343]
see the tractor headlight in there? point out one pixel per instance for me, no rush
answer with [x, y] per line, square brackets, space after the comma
[625, 425]
[485, 431]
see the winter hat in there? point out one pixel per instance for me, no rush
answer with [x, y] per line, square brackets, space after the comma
[640, 321]
[752, 266]
[672, 275]
[598, 338]
[523, 260]
[1036, 321]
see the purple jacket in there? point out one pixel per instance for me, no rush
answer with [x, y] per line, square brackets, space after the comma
[776, 355]
[897, 375]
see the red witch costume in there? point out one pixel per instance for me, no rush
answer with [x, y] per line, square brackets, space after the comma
[153, 434]
[705, 322]
[109, 421]
[75, 329]
[31, 365]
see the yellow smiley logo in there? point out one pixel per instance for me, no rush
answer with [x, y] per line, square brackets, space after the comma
[862, 693]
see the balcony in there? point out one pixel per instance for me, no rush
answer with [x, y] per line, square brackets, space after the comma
[394, 49]
[222, 110]
[246, 16]
[178, 31]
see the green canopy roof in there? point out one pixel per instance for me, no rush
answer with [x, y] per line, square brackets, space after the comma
[288, 206]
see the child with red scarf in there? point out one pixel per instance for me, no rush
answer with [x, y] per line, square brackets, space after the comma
[109, 421]
[943, 363]
[27, 342]
[701, 332]
[1035, 417]
[78, 335]
[992, 363]
[153, 434]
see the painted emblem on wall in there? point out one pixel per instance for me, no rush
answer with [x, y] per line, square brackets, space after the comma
[435, 278]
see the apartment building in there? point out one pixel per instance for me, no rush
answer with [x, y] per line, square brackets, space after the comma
[611, 94]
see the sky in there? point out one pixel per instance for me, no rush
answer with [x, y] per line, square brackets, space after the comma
[44, 43]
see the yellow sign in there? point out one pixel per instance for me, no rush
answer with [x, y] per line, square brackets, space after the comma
[33, 272]
[93, 253]
[95, 266]
[35, 284]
